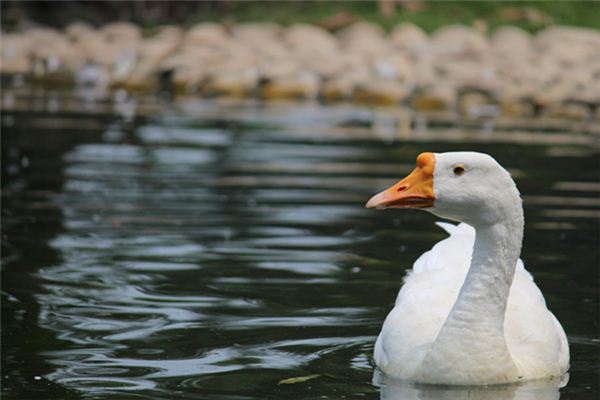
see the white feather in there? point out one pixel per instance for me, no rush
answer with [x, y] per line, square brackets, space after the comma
[536, 341]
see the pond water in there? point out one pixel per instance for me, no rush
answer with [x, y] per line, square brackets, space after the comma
[216, 250]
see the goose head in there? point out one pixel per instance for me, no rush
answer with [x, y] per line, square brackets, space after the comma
[462, 186]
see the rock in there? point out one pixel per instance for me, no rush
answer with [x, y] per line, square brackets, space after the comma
[435, 98]
[588, 94]
[572, 111]
[367, 47]
[380, 92]
[511, 41]
[516, 108]
[341, 87]
[52, 56]
[309, 37]
[280, 68]
[552, 95]
[328, 65]
[337, 89]
[77, 29]
[555, 73]
[121, 32]
[238, 76]
[92, 48]
[561, 35]
[261, 37]
[232, 83]
[268, 49]
[424, 70]
[476, 104]
[393, 67]
[569, 46]
[408, 37]
[459, 40]
[314, 49]
[256, 31]
[360, 30]
[187, 74]
[15, 59]
[142, 71]
[515, 99]
[169, 33]
[155, 49]
[206, 34]
[302, 85]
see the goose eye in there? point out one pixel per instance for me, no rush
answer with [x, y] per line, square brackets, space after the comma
[458, 170]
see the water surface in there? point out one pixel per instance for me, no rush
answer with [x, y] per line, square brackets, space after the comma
[212, 250]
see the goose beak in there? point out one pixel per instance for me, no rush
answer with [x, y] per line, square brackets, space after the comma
[414, 191]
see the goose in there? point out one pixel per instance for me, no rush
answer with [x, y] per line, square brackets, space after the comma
[468, 312]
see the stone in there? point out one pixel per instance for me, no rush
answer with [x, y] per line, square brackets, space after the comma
[567, 110]
[77, 29]
[360, 30]
[477, 104]
[309, 37]
[302, 85]
[121, 31]
[552, 95]
[439, 97]
[408, 37]
[341, 87]
[232, 83]
[254, 31]
[511, 41]
[14, 51]
[459, 40]
[393, 67]
[187, 75]
[206, 34]
[380, 92]
[168, 31]
[516, 108]
[515, 99]
[278, 68]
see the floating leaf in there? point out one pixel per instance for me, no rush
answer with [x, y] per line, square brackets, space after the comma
[298, 379]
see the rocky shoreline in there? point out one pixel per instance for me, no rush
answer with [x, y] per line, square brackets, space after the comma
[511, 73]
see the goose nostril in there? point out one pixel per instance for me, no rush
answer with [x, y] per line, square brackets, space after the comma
[401, 188]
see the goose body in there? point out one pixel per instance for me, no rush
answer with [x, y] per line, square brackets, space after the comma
[468, 312]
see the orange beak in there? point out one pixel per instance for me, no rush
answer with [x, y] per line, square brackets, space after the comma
[414, 191]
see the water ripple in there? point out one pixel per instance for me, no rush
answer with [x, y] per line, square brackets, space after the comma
[216, 250]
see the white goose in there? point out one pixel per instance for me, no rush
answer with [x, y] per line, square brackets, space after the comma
[468, 312]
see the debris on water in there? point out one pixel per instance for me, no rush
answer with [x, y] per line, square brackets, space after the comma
[298, 379]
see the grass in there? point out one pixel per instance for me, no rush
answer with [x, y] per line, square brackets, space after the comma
[433, 15]
[530, 15]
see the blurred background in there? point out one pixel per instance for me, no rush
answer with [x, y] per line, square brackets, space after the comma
[531, 15]
[183, 186]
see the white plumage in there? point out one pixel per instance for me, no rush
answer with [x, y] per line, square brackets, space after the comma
[534, 337]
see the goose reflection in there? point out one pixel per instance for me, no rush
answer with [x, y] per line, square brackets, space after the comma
[535, 390]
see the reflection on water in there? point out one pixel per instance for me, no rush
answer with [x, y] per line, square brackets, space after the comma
[535, 390]
[213, 250]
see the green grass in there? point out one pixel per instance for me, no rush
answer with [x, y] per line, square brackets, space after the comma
[434, 14]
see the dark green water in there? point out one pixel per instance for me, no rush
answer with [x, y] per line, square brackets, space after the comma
[204, 250]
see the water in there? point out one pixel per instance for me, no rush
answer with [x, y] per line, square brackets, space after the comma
[212, 250]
